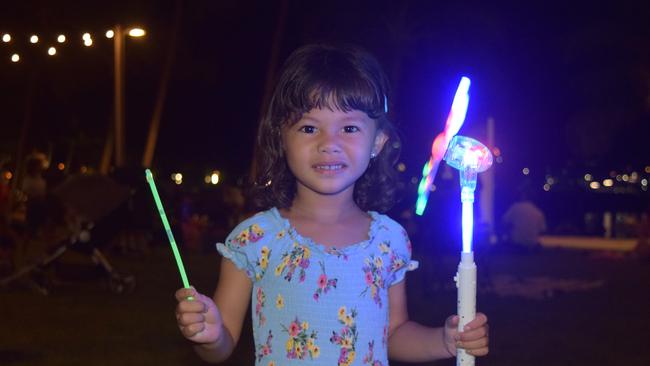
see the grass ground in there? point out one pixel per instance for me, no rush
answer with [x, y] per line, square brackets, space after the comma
[551, 308]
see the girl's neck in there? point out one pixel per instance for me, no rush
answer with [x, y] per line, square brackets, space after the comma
[323, 208]
[332, 221]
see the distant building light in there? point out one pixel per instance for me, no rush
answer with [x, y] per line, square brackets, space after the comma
[644, 182]
[8, 175]
[550, 180]
[414, 180]
[15, 57]
[88, 42]
[6, 38]
[110, 33]
[51, 51]
[86, 36]
[634, 177]
[625, 177]
[401, 167]
[647, 169]
[499, 159]
[547, 187]
[84, 169]
[60, 166]
[526, 171]
[433, 187]
[594, 185]
[608, 182]
[619, 178]
[60, 38]
[33, 39]
[496, 151]
[588, 177]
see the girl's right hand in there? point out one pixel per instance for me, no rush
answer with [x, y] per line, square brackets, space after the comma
[198, 319]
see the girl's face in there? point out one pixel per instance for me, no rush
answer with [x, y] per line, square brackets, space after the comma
[328, 150]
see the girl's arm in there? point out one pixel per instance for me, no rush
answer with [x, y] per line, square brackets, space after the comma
[409, 341]
[232, 298]
[413, 342]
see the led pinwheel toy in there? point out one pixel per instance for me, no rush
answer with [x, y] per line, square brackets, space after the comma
[455, 120]
[469, 157]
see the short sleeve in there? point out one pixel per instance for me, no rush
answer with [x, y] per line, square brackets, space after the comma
[400, 254]
[246, 246]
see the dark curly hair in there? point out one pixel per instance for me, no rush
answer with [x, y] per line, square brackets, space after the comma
[325, 76]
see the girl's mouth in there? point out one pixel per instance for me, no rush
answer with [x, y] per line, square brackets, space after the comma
[329, 167]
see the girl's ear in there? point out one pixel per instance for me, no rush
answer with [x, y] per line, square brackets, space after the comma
[380, 140]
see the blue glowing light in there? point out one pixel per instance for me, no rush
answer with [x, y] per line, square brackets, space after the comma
[470, 157]
[468, 225]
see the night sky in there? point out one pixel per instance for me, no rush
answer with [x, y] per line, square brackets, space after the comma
[568, 85]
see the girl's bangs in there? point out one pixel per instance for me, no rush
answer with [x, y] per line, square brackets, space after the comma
[346, 96]
[355, 96]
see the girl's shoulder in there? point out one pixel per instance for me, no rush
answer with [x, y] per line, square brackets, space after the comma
[259, 227]
[389, 233]
[385, 225]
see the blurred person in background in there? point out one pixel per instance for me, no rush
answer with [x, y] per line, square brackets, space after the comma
[34, 184]
[523, 223]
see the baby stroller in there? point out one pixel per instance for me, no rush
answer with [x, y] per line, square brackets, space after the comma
[68, 220]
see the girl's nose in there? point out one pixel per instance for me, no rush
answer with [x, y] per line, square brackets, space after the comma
[329, 143]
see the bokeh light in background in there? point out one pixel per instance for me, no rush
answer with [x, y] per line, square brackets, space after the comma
[213, 177]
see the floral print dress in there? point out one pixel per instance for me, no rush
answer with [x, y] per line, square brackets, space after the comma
[313, 305]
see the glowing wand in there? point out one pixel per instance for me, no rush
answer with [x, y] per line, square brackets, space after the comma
[168, 230]
[469, 157]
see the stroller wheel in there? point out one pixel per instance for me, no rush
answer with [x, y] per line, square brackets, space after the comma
[121, 284]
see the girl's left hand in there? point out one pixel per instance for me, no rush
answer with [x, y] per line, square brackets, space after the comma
[473, 339]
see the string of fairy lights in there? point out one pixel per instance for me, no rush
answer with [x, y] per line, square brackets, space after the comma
[53, 42]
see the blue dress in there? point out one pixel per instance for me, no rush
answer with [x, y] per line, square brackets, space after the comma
[313, 305]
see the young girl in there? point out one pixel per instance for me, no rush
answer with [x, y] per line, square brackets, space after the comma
[323, 271]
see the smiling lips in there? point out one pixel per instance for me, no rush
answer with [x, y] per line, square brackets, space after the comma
[329, 167]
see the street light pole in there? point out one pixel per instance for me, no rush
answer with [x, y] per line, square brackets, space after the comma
[115, 137]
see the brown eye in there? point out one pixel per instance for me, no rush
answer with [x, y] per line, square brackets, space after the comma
[351, 129]
[307, 129]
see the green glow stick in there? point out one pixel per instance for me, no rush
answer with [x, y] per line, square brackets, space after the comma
[168, 229]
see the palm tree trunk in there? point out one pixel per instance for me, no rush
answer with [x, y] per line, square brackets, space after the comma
[154, 125]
